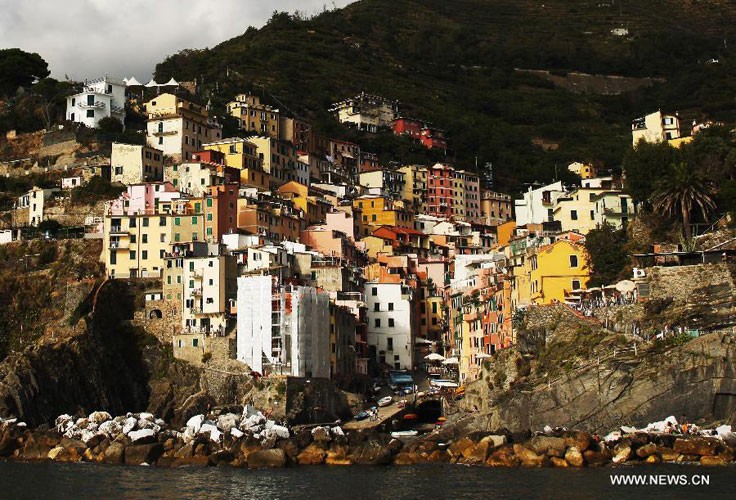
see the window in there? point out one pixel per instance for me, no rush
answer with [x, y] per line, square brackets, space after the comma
[132, 255]
[209, 217]
[195, 342]
[194, 221]
[391, 322]
[374, 291]
[574, 262]
[160, 140]
[574, 214]
[390, 344]
[163, 238]
[145, 221]
[144, 255]
[133, 238]
[592, 215]
[191, 283]
[144, 238]
[377, 307]
[209, 201]
[377, 323]
[177, 221]
[576, 284]
[118, 170]
[90, 100]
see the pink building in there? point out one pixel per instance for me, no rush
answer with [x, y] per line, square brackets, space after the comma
[143, 198]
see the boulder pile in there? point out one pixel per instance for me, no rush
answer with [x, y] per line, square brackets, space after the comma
[244, 437]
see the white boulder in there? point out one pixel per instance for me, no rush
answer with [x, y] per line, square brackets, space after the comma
[195, 423]
[98, 417]
[214, 432]
[110, 428]
[227, 421]
[129, 425]
[236, 433]
[141, 434]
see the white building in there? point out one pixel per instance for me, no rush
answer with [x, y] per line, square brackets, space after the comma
[100, 99]
[367, 112]
[33, 201]
[71, 182]
[537, 205]
[283, 329]
[209, 284]
[389, 324]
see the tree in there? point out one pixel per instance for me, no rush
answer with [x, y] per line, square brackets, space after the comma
[644, 164]
[51, 97]
[19, 69]
[606, 247]
[110, 125]
[682, 190]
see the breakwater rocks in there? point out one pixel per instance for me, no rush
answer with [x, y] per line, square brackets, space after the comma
[249, 439]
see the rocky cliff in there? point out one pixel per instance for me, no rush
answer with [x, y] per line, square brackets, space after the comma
[697, 380]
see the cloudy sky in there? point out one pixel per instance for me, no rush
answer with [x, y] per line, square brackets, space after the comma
[88, 38]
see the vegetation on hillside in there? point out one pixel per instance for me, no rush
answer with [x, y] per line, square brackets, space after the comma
[453, 64]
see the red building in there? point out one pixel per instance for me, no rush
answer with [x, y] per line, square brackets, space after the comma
[441, 191]
[209, 157]
[421, 131]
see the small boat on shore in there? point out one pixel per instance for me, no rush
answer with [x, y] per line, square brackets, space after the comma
[385, 401]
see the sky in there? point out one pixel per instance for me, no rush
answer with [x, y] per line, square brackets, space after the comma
[123, 38]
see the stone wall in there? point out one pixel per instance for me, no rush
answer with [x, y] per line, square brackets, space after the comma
[701, 296]
[161, 318]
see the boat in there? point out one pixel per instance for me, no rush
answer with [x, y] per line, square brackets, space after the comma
[411, 416]
[361, 415]
[404, 434]
[385, 401]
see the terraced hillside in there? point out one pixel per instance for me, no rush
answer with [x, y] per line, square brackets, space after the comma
[453, 63]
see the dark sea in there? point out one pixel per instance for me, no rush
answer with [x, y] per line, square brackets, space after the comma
[50, 481]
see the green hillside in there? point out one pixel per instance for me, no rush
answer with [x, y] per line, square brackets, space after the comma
[453, 63]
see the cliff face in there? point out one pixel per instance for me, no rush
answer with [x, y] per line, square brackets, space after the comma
[697, 380]
[100, 368]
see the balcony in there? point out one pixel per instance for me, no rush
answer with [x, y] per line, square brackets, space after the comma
[94, 105]
[159, 133]
[119, 245]
[117, 230]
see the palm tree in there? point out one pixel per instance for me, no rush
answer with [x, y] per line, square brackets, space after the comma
[681, 191]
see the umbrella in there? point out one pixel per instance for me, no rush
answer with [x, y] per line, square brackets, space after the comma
[434, 357]
[423, 341]
[483, 355]
[451, 361]
[625, 286]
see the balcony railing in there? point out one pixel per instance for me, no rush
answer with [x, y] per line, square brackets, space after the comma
[95, 105]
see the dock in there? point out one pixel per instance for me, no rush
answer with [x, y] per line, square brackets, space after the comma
[385, 414]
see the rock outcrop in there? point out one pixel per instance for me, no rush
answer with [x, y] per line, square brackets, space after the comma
[697, 379]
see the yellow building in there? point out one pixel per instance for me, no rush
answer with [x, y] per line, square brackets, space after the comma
[243, 155]
[279, 158]
[375, 245]
[415, 187]
[655, 127]
[254, 116]
[378, 211]
[136, 245]
[577, 211]
[555, 270]
[583, 170]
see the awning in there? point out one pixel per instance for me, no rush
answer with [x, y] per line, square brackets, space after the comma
[152, 84]
[451, 361]
[434, 357]
[133, 82]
